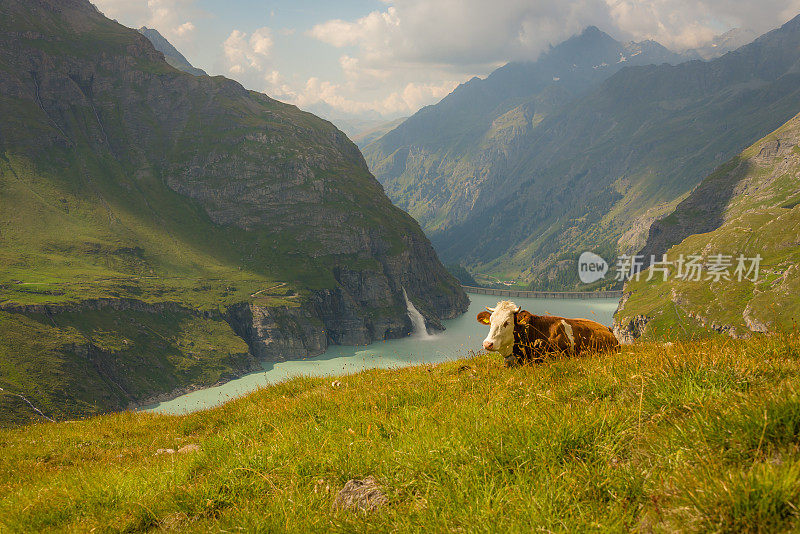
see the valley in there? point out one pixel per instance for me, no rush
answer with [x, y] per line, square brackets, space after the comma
[220, 311]
[461, 339]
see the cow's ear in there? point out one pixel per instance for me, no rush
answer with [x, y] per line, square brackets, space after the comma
[483, 317]
[523, 317]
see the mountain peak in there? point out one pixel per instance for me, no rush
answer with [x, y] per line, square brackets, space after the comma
[721, 44]
[591, 41]
[794, 22]
[591, 34]
[171, 54]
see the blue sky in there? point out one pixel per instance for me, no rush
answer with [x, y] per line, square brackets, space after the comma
[291, 50]
[380, 59]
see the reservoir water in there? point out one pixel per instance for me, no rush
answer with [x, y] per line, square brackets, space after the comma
[463, 335]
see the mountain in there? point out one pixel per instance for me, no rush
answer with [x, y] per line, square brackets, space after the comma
[592, 172]
[171, 54]
[750, 206]
[161, 231]
[428, 161]
[722, 44]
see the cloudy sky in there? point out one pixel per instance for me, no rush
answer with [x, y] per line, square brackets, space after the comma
[387, 58]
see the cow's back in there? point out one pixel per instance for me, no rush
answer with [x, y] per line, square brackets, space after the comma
[559, 334]
[591, 336]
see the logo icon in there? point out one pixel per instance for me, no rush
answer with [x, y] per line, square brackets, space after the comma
[591, 267]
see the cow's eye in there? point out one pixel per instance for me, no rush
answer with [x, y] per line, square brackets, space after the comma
[505, 324]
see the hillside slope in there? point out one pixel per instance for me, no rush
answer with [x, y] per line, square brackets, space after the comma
[160, 230]
[596, 172]
[697, 437]
[750, 206]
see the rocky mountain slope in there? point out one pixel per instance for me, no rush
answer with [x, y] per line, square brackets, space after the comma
[171, 54]
[748, 207]
[594, 173]
[160, 230]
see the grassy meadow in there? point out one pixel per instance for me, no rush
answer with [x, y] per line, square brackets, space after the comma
[702, 436]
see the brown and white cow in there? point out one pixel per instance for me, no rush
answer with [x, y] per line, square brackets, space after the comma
[522, 337]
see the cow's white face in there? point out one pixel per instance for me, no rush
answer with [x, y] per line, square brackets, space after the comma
[501, 327]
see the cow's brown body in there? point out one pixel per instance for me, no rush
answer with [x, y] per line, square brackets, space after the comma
[536, 336]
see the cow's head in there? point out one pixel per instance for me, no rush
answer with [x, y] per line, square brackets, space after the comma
[501, 321]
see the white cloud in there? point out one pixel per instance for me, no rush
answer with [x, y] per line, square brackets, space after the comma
[261, 41]
[172, 18]
[377, 27]
[681, 24]
[469, 33]
[402, 102]
[185, 29]
[465, 33]
[414, 48]
[410, 53]
[243, 51]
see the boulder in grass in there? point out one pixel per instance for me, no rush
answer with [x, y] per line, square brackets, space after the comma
[360, 494]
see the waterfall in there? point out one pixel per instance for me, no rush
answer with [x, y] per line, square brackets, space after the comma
[417, 320]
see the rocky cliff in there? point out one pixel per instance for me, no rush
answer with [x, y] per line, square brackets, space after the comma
[237, 219]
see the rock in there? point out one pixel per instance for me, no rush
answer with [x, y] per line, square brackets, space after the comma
[630, 332]
[364, 495]
[278, 333]
[770, 149]
[754, 324]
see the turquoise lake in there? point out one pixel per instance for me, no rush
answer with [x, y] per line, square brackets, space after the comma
[463, 335]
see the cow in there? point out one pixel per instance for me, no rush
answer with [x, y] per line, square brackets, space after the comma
[521, 337]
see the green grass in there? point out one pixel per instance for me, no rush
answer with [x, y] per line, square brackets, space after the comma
[700, 436]
[84, 363]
